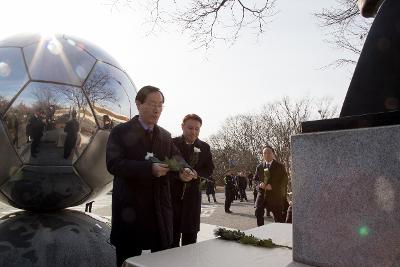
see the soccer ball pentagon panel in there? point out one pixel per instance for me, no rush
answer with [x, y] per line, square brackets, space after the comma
[59, 97]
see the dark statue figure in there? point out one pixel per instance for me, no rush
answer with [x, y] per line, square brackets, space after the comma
[375, 86]
[373, 97]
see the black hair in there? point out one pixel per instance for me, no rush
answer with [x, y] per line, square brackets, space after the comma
[145, 91]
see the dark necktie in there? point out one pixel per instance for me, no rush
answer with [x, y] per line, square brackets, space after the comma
[150, 133]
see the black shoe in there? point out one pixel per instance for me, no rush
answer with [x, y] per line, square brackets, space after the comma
[228, 211]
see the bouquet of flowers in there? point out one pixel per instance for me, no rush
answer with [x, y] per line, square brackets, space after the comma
[177, 164]
[174, 164]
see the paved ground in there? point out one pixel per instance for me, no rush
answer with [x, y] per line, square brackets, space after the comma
[212, 213]
[242, 218]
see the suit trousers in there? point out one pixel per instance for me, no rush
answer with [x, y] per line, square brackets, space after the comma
[187, 238]
[277, 209]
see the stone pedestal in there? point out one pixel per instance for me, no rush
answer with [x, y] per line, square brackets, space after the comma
[346, 193]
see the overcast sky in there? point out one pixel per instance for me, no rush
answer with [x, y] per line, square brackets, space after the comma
[215, 84]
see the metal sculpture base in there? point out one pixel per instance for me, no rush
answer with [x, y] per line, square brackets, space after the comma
[63, 238]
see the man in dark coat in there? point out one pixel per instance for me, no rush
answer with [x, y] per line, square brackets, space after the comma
[250, 179]
[210, 189]
[71, 129]
[186, 197]
[230, 190]
[35, 128]
[141, 199]
[271, 179]
[242, 184]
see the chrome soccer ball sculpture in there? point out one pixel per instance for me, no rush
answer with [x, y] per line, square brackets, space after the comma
[59, 98]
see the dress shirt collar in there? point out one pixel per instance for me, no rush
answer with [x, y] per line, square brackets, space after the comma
[144, 125]
[268, 163]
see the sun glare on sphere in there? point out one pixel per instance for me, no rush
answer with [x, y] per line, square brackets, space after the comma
[54, 46]
[5, 69]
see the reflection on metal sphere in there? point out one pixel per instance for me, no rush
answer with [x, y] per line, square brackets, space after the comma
[59, 96]
[63, 238]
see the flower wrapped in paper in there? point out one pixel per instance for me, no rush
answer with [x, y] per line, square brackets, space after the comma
[175, 164]
[267, 175]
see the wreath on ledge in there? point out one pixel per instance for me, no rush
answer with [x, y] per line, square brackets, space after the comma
[241, 237]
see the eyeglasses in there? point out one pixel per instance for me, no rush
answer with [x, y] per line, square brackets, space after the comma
[154, 105]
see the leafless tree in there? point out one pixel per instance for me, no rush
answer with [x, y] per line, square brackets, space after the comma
[326, 108]
[3, 105]
[95, 89]
[346, 28]
[45, 96]
[208, 20]
[241, 137]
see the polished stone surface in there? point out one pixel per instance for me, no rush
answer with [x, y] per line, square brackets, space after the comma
[346, 191]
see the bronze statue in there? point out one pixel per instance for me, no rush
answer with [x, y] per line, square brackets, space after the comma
[369, 8]
[375, 85]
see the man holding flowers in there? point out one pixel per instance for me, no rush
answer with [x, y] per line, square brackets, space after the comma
[272, 182]
[186, 196]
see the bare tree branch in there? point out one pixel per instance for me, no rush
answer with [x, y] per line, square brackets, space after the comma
[347, 29]
[207, 21]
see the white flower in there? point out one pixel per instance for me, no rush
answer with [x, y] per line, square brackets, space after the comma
[148, 156]
[196, 150]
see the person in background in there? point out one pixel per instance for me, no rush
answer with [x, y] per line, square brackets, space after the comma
[35, 128]
[250, 179]
[210, 189]
[72, 129]
[229, 180]
[107, 123]
[186, 197]
[242, 184]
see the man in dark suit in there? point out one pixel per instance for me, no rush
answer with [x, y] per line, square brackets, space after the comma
[271, 179]
[230, 190]
[141, 199]
[242, 184]
[71, 129]
[186, 197]
[35, 128]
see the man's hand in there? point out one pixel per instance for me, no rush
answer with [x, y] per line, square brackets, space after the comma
[265, 186]
[159, 169]
[187, 175]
